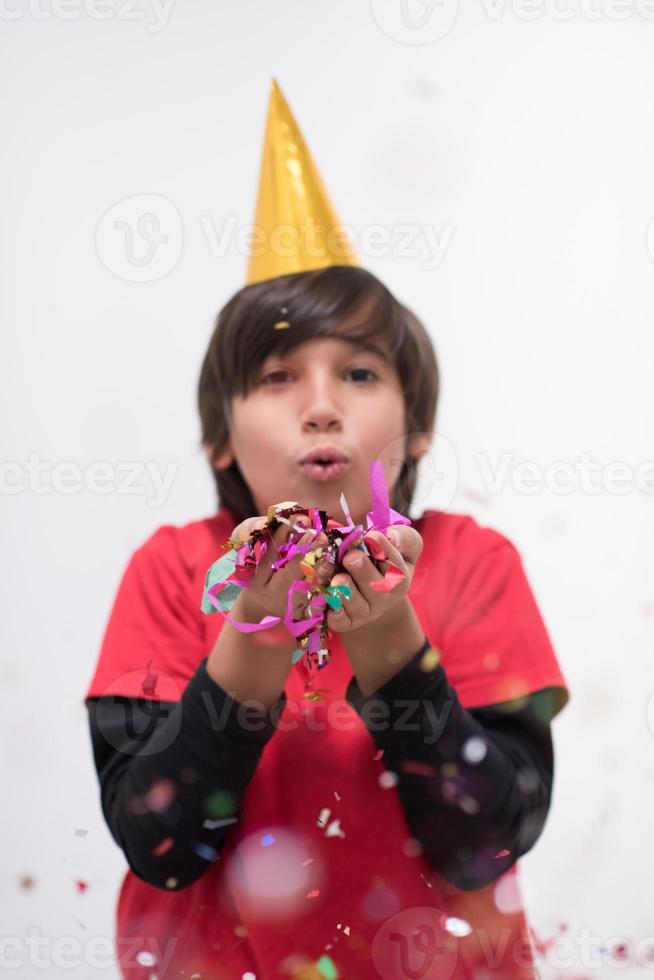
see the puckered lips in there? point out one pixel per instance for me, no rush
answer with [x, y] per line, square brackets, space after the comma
[324, 463]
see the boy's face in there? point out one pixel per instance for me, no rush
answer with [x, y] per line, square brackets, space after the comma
[326, 393]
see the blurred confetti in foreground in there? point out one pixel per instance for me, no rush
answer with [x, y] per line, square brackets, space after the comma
[274, 874]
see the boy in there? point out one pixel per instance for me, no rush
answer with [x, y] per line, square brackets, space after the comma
[364, 820]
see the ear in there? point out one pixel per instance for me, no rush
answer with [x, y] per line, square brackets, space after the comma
[419, 444]
[219, 460]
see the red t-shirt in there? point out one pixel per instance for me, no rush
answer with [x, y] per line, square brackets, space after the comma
[367, 900]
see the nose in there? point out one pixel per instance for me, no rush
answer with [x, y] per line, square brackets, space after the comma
[321, 410]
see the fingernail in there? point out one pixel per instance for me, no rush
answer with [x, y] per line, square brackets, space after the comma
[392, 535]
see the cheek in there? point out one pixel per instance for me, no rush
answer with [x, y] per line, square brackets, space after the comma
[381, 426]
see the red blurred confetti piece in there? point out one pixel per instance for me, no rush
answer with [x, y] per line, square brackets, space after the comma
[81, 886]
[388, 582]
[375, 548]
[163, 847]
[417, 768]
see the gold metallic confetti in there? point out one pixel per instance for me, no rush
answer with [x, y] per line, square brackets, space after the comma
[430, 659]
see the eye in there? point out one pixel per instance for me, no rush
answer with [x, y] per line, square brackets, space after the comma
[266, 378]
[274, 377]
[362, 370]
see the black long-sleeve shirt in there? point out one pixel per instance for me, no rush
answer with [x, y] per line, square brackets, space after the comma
[475, 784]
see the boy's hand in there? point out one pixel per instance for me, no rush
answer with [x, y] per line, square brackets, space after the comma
[366, 605]
[268, 589]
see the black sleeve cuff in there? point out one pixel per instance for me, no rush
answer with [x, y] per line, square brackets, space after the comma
[417, 681]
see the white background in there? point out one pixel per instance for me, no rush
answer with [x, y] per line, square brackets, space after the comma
[531, 140]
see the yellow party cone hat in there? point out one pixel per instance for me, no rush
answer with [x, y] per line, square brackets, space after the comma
[296, 226]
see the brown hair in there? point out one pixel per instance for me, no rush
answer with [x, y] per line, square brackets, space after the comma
[338, 301]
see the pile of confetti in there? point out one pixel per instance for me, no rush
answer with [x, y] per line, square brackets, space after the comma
[231, 572]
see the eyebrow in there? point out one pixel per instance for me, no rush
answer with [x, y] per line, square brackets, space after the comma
[371, 349]
[355, 345]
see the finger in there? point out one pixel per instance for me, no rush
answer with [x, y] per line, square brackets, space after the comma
[404, 539]
[325, 566]
[362, 572]
[244, 530]
[358, 606]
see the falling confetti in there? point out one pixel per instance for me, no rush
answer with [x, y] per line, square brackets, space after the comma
[457, 927]
[474, 750]
[507, 896]
[157, 799]
[163, 847]
[388, 779]
[215, 824]
[475, 496]
[327, 967]
[206, 851]
[149, 683]
[81, 886]
[145, 958]
[430, 659]
[412, 847]
[334, 829]
[271, 881]
[220, 804]
[418, 768]
[469, 805]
